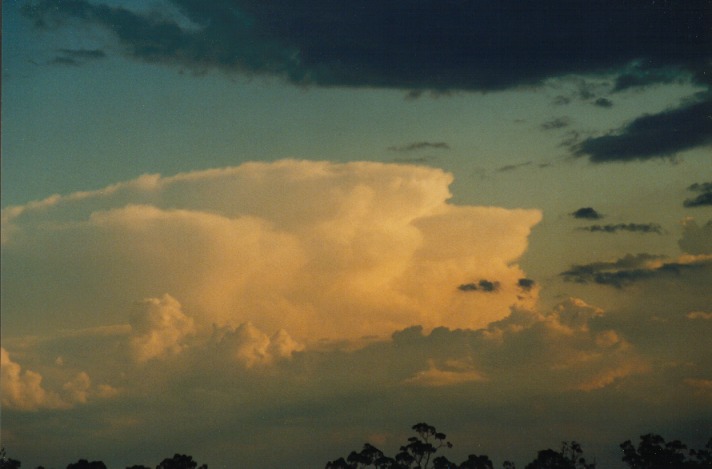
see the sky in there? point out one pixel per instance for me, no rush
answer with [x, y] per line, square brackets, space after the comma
[264, 233]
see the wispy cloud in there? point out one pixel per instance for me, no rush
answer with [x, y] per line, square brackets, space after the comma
[635, 268]
[420, 146]
[558, 123]
[631, 227]
[704, 198]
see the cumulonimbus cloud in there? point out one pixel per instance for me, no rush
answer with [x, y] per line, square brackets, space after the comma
[321, 250]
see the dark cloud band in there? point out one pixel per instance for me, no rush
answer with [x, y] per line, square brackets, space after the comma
[436, 45]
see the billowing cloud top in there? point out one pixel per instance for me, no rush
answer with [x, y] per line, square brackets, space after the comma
[320, 250]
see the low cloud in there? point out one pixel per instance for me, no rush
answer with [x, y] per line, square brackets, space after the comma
[250, 347]
[587, 213]
[159, 328]
[703, 199]
[25, 391]
[631, 227]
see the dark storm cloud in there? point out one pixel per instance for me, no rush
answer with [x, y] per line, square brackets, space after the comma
[427, 45]
[653, 136]
[703, 199]
[587, 213]
[630, 269]
[632, 227]
[482, 285]
[420, 146]
[558, 123]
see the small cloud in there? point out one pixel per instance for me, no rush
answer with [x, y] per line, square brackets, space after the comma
[587, 213]
[420, 146]
[482, 285]
[76, 57]
[250, 347]
[632, 227]
[696, 239]
[159, 328]
[562, 100]
[699, 315]
[525, 284]
[702, 387]
[512, 167]
[558, 123]
[701, 200]
[603, 102]
[435, 377]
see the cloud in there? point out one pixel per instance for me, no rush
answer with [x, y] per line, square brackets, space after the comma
[703, 199]
[632, 227]
[159, 328]
[526, 284]
[470, 45]
[482, 285]
[699, 315]
[420, 146]
[23, 390]
[250, 347]
[558, 123]
[603, 102]
[696, 239]
[512, 167]
[587, 213]
[653, 136]
[77, 57]
[435, 377]
[339, 251]
[635, 268]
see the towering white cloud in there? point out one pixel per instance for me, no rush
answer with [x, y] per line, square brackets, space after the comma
[321, 250]
[159, 328]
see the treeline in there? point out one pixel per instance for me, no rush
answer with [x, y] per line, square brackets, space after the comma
[652, 452]
[178, 461]
[420, 452]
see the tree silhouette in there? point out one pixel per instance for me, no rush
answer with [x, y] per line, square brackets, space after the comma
[476, 462]
[654, 453]
[8, 463]
[416, 454]
[180, 461]
[570, 457]
[84, 464]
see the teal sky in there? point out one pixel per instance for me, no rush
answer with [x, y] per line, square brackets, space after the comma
[344, 177]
